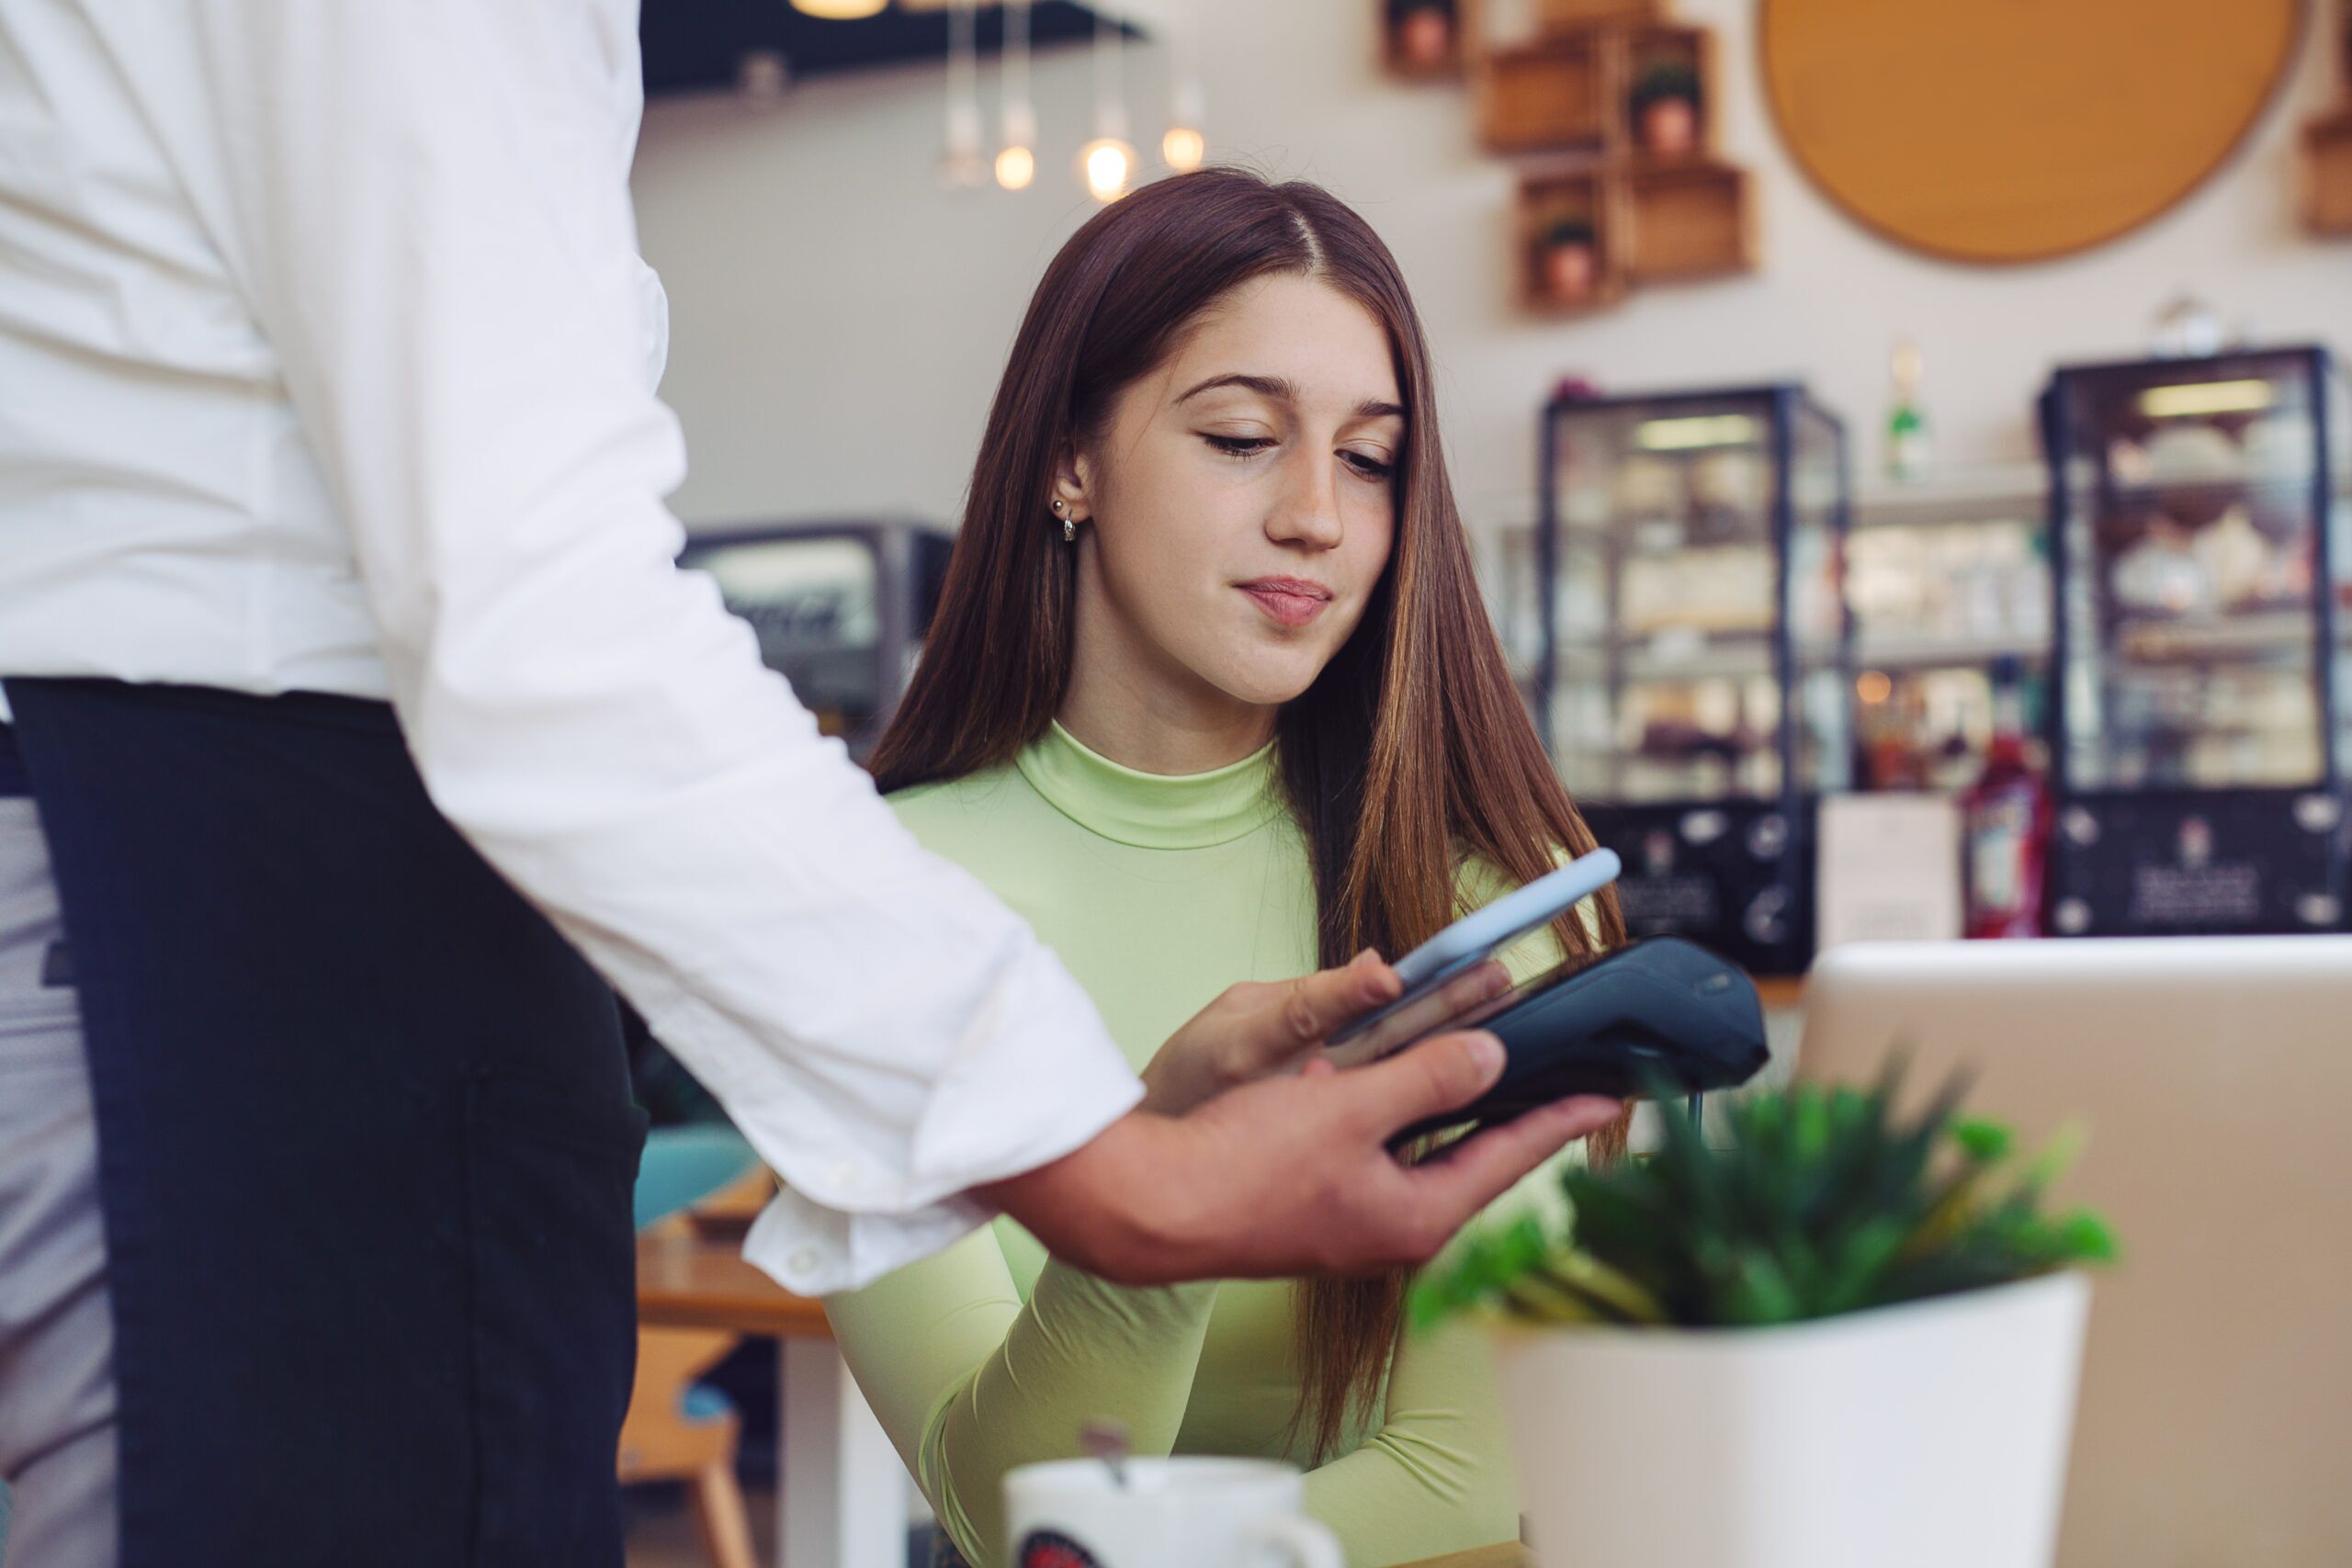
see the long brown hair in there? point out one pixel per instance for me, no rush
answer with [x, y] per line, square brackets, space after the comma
[1411, 751]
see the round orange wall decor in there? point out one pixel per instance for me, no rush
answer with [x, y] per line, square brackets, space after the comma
[2011, 130]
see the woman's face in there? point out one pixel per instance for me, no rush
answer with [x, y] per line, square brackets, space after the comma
[1240, 505]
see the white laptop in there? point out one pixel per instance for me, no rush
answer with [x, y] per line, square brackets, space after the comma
[2214, 1077]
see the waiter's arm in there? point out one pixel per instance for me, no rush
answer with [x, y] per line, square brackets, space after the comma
[428, 207]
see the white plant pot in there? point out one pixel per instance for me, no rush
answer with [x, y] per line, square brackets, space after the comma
[1931, 1435]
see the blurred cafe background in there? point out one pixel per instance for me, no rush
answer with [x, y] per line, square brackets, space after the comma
[1906, 446]
[1907, 449]
[1840, 407]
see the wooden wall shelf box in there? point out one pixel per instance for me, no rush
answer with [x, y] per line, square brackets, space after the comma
[1556, 95]
[1685, 221]
[1661, 206]
[1578, 16]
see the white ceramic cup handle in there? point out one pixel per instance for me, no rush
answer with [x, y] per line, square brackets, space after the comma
[1308, 1543]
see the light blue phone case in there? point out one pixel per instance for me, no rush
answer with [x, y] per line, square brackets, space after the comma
[1482, 933]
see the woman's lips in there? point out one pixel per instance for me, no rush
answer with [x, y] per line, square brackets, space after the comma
[1291, 600]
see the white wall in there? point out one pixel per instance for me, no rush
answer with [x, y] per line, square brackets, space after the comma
[839, 321]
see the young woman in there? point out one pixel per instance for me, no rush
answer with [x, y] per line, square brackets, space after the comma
[1211, 696]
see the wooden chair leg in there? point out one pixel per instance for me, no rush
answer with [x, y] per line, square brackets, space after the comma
[726, 1527]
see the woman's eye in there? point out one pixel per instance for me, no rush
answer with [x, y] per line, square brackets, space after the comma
[1367, 466]
[1240, 446]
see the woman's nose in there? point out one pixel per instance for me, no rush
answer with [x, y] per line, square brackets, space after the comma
[1307, 511]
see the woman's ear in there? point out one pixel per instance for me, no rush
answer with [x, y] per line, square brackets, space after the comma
[1073, 485]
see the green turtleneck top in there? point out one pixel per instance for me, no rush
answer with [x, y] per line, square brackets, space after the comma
[1157, 892]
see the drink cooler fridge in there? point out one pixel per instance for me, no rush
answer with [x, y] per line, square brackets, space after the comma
[840, 608]
[2198, 740]
[1691, 679]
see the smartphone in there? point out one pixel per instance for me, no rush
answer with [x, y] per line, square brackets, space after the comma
[1479, 935]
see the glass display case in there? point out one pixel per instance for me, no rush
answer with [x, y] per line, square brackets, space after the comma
[2198, 750]
[1693, 680]
[840, 608]
[1945, 578]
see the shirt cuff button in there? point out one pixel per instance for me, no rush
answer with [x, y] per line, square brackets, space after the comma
[803, 1263]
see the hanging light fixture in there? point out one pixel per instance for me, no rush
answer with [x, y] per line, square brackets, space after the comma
[1185, 146]
[1106, 166]
[840, 10]
[963, 164]
[1016, 161]
[1016, 166]
[1183, 149]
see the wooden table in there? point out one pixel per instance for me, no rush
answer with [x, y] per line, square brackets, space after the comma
[841, 1493]
[683, 1282]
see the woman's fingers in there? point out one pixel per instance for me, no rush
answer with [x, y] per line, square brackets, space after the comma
[1286, 1020]
[1255, 1030]
[1473, 987]
[1258, 1030]
[1314, 1006]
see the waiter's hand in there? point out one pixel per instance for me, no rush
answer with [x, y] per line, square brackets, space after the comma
[1291, 1175]
[1259, 1028]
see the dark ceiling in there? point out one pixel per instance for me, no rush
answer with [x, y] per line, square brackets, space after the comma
[698, 45]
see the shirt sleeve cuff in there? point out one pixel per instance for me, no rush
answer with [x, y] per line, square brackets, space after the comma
[813, 1250]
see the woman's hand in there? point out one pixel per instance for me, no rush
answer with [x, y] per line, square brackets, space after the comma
[1257, 1029]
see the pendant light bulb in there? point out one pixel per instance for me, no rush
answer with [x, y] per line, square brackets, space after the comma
[1107, 165]
[964, 166]
[1016, 161]
[1186, 146]
[840, 10]
[1183, 149]
[1015, 167]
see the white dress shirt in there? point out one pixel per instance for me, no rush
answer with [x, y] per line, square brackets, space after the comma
[327, 362]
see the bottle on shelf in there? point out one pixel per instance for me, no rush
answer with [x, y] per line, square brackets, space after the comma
[1906, 423]
[2005, 821]
[1894, 724]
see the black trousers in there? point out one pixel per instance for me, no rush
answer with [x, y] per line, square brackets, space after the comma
[365, 1146]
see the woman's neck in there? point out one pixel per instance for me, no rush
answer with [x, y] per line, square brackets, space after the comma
[1121, 705]
[1160, 731]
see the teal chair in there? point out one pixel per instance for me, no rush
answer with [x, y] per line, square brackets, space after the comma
[684, 1165]
[679, 1428]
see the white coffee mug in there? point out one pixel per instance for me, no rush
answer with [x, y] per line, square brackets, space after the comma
[1186, 1512]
